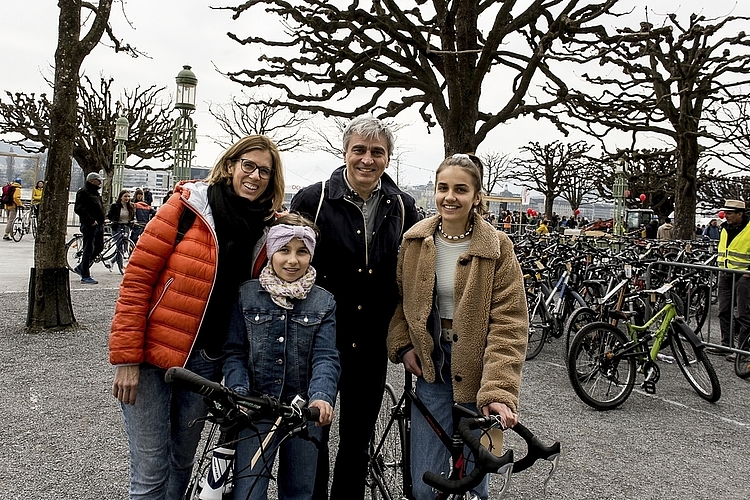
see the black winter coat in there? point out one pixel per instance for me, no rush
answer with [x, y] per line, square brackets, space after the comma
[363, 282]
[89, 206]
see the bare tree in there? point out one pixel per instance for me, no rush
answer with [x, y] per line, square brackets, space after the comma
[49, 291]
[662, 81]
[715, 187]
[94, 142]
[399, 55]
[497, 166]
[241, 118]
[550, 168]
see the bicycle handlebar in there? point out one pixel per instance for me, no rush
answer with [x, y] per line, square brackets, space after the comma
[261, 407]
[486, 462]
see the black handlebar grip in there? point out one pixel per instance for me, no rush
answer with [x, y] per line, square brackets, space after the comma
[536, 449]
[484, 458]
[457, 486]
[196, 383]
[313, 413]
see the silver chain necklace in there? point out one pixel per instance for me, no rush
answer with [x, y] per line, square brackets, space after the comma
[459, 237]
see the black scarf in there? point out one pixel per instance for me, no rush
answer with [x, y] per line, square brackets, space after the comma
[239, 224]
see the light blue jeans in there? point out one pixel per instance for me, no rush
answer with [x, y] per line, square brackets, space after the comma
[162, 442]
[428, 453]
[297, 464]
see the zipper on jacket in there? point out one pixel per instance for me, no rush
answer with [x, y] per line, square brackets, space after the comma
[364, 221]
[161, 296]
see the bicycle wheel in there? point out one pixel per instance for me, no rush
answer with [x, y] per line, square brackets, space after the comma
[580, 318]
[695, 365]
[126, 251]
[699, 301]
[215, 457]
[540, 324]
[385, 471]
[742, 362]
[17, 229]
[33, 226]
[74, 251]
[600, 377]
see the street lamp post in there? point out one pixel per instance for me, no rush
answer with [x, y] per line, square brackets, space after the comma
[120, 156]
[618, 191]
[183, 130]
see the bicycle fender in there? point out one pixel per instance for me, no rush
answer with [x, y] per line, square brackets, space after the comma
[679, 323]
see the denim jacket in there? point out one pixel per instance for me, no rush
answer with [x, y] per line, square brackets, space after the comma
[282, 352]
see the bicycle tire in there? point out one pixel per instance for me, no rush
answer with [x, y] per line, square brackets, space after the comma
[742, 362]
[695, 365]
[577, 320]
[385, 470]
[594, 372]
[74, 251]
[17, 229]
[699, 301]
[195, 486]
[539, 325]
[33, 222]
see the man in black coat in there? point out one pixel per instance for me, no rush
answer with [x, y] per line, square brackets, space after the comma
[362, 215]
[90, 211]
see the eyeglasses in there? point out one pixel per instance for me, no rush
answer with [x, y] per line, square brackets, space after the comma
[249, 166]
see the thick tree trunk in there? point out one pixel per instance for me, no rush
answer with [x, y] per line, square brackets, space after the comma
[50, 304]
[686, 187]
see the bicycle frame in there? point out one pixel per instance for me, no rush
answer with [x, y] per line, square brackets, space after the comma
[455, 444]
[667, 313]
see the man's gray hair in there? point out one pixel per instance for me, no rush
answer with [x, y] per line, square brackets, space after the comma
[369, 127]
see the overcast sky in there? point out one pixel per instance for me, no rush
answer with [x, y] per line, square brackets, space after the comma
[177, 32]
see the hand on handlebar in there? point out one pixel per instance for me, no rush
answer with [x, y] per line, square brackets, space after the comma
[508, 419]
[411, 362]
[326, 412]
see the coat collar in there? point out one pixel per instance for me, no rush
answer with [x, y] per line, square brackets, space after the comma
[484, 242]
[337, 187]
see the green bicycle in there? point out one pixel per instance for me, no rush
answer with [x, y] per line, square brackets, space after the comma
[603, 361]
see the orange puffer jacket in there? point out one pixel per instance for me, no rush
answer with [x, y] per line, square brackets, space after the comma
[165, 290]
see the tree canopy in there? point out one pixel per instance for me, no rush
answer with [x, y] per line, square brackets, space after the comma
[432, 55]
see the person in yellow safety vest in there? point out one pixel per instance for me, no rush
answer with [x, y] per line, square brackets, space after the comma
[734, 253]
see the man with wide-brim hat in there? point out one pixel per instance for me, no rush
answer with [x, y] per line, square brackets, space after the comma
[734, 253]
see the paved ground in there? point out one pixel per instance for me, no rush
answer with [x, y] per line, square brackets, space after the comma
[62, 433]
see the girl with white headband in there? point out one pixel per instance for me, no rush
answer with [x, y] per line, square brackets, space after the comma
[282, 342]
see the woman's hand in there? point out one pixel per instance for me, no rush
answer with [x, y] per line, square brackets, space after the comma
[411, 362]
[326, 412]
[507, 417]
[125, 386]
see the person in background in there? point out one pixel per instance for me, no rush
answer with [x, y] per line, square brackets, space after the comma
[652, 228]
[36, 197]
[734, 253]
[665, 231]
[362, 215]
[12, 208]
[309, 359]
[120, 215]
[461, 324]
[543, 227]
[175, 304]
[143, 214]
[90, 210]
[148, 196]
[712, 230]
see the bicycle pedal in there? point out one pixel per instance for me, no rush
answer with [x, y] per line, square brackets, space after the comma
[649, 387]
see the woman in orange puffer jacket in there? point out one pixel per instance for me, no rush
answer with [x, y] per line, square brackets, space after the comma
[175, 302]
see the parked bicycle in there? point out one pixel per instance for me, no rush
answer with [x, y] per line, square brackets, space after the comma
[229, 413]
[25, 223]
[603, 361]
[116, 250]
[389, 475]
